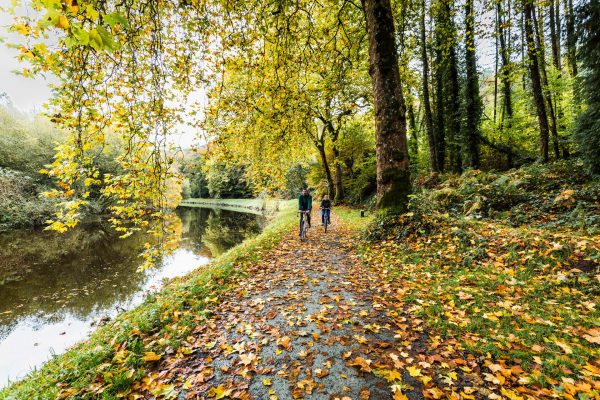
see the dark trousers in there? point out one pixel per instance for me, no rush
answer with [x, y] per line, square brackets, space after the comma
[326, 213]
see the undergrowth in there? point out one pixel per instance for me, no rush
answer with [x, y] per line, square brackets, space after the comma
[509, 265]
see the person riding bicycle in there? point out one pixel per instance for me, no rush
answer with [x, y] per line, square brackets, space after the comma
[325, 209]
[305, 204]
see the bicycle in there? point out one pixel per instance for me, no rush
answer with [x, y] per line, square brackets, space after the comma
[326, 219]
[304, 225]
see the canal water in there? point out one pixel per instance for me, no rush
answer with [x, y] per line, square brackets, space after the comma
[57, 288]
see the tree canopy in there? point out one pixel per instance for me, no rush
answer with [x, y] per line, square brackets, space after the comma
[283, 84]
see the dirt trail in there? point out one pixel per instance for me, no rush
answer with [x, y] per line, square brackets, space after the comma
[304, 324]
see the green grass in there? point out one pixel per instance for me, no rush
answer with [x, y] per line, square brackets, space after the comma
[111, 361]
[352, 218]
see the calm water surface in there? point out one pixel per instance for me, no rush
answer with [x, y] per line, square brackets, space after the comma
[55, 289]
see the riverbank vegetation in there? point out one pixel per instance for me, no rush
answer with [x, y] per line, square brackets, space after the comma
[27, 146]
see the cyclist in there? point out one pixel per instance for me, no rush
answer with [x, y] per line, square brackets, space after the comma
[305, 204]
[325, 209]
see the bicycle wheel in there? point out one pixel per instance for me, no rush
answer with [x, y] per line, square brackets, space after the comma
[325, 224]
[302, 232]
[305, 230]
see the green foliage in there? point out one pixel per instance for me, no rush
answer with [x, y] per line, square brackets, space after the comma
[588, 126]
[196, 185]
[27, 144]
[362, 184]
[228, 182]
[21, 204]
[553, 195]
[295, 181]
[421, 219]
[557, 196]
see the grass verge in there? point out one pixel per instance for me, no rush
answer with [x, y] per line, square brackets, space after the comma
[119, 354]
[252, 205]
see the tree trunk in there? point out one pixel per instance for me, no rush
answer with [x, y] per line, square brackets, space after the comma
[454, 126]
[555, 34]
[339, 173]
[448, 96]
[472, 100]
[496, 52]
[413, 142]
[541, 52]
[427, 117]
[505, 71]
[393, 176]
[571, 37]
[554, 38]
[440, 128]
[325, 163]
[536, 83]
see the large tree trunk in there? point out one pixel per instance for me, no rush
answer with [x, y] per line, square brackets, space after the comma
[536, 83]
[440, 122]
[393, 176]
[448, 90]
[472, 99]
[454, 126]
[496, 67]
[427, 116]
[554, 34]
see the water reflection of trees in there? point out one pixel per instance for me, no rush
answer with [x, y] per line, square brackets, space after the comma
[89, 270]
[225, 229]
[82, 272]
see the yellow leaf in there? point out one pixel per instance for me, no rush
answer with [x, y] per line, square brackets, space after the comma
[399, 396]
[62, 22]
[566, 348]
[363, 363]
[23, 29]
[426, 380]
[394, 375]
[150, 356]
[219, 392]
[414, 371]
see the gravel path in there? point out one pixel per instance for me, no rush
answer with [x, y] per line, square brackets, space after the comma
[304, 324]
